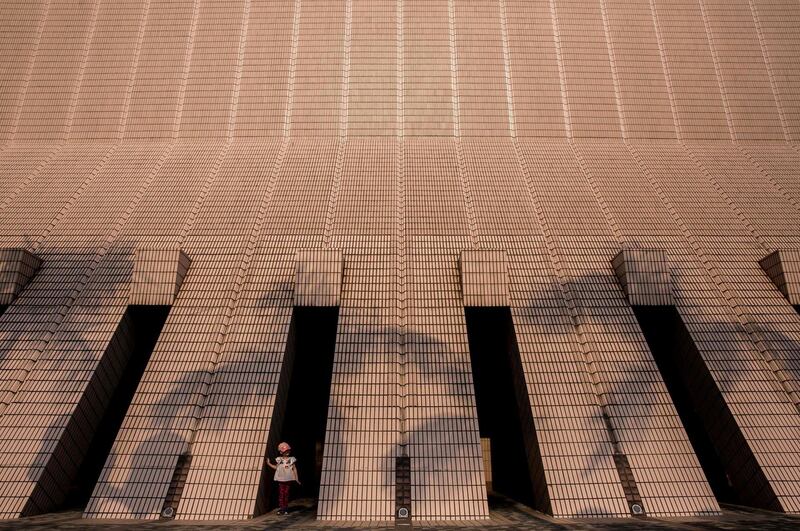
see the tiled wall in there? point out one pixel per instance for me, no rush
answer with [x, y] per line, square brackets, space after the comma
[690, 71]
[242, 132]
[206, 68]
[427, 51]
[716, 286]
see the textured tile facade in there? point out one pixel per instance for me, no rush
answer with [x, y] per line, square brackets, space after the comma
[157, 276]
[399, 159]
[783, 268]
[484, 278]
[17, 267]
[645, 277]
[319, 278]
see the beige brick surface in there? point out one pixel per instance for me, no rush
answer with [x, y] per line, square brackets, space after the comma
[399, 159]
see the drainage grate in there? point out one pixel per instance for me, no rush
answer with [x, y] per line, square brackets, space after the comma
[176, 486]
[403, 491]
[629, 484]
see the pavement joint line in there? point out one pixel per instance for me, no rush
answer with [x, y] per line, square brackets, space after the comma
[507, 516]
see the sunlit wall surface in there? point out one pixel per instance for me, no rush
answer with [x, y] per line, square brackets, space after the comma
[252, 135]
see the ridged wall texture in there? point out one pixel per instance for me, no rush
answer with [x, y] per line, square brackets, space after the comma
[401, 133]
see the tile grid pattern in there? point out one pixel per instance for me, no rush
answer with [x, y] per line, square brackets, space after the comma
[533, 71]
[773, 18]
[23, 23]
[155, 430]
[744, 73]
[55, 190]
[598, 159]
[756, 25]
[717, 70]
[17, 267]
[689, 68]
[712, 314]
[644, 275]
[781, 266]
[621, 359]
[444, 443]
[361, 444]
[61, 368]
[23, 163]
[402, 491]
[221, 395]
[157, 276]
[133, 70]
[154, 70]
[634, 36]
[45, 108]
[593, 450]
[780, 359]
[427, 72]
[484, 278]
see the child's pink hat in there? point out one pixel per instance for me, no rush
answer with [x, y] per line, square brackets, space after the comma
[284, 447]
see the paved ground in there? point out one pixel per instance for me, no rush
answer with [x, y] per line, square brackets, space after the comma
[506, 516]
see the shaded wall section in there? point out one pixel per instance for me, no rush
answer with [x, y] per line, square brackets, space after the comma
[421, 179]
[503, 408]
[304, 421]
[728, 464]
[139, 328]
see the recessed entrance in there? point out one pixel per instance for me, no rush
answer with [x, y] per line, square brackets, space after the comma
[504, 412]
[130, 347]
[730, 467]
[304, 390]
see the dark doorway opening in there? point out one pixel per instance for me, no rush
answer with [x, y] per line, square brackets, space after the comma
[3, 308]
[504, 412]
[730, 467]
[303, 396]
[122, 366]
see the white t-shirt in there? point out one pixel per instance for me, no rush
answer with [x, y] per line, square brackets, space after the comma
[286, 470]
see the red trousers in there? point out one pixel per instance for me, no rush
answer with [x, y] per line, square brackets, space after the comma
[283, 494]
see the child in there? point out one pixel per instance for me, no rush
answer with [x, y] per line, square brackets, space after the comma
[285, 473]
